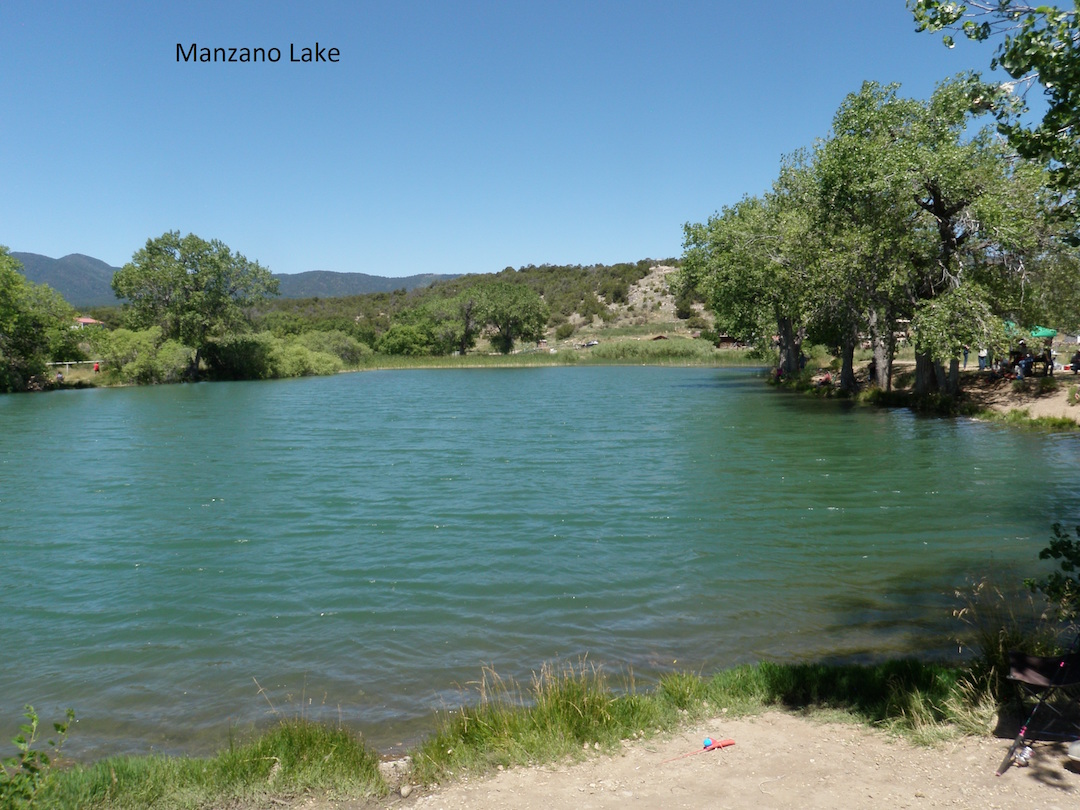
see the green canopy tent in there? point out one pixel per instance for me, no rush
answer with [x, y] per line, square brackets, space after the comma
[1012, 331]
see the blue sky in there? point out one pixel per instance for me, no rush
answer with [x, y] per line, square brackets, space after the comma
[451, 137]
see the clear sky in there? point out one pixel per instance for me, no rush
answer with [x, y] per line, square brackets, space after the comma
[451, 137]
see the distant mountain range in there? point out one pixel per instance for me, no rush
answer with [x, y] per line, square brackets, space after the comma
[87, 282]
[82, 280]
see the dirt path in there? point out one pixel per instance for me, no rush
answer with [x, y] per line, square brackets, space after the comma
[778, 761]
[1000, 396]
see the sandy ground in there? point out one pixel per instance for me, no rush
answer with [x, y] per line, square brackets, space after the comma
[999, 395]
[778, 761]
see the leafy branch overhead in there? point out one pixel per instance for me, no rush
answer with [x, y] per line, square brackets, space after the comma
[1036, 45]
[1061, 587]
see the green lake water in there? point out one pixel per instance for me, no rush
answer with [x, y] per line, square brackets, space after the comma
[174, 559]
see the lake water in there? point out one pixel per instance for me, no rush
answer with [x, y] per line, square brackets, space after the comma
[174, 559]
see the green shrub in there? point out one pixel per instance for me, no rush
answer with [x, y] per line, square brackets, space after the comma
[564, 330]
[22, 776]
[350, 350]
[403, 338]
[142, 357]
[1062, 587]
[242, 357]
[173, 361]
[295, 360]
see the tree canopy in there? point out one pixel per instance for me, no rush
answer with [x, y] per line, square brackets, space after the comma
[194, 290]
[906, 213]
[1036, 44]
[36, 326]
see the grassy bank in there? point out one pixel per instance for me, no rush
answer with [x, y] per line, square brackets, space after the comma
[561, 712]
[621, 350]
[673, 351]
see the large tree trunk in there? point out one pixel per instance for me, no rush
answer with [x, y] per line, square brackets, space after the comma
[193, 366]
[952, 380]
[847, 368]
[932, 378]
[926, 381]
[790, 346]
[882, 341]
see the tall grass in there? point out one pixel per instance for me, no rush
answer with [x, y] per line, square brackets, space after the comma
[563, 711]
[1021, 417]
[675, 351]
[295, 757]
[572, 710]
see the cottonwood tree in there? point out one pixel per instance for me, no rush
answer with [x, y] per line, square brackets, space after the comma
[902, 212]
[512, 312]
[195, 290]
[1036, 45]
[864, 215]
[751, 263]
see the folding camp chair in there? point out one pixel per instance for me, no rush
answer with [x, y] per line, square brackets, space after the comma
[1054, 684]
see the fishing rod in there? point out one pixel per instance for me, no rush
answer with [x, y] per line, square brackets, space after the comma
[709, 745]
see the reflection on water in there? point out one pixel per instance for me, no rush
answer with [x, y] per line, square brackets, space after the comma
[359, 546]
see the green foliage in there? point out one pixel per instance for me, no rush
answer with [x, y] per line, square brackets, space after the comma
[1036, 44]
[248, 356]
[262, 355]
[35, 327]
[564, 330]
[195, 291]
[337, 343]
[962, 316]
[296, 360]
[404, 338]
[1062, 587]
[514, 312]
[141, 357]
[22, 776]
[292, 758]
[447, 313]
[684, 302]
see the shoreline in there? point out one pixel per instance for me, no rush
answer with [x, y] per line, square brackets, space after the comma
[779, 760]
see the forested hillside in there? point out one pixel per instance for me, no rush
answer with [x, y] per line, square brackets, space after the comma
[574, 295]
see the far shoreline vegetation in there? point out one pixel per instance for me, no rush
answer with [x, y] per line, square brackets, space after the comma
[639, 313]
